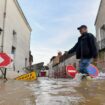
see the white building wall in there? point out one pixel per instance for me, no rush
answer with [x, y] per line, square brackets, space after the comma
[15, 21]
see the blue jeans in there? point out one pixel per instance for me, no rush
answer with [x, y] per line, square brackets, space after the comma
[84, 63]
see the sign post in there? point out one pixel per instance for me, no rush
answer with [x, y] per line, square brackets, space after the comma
[71, 71]
[5, 60]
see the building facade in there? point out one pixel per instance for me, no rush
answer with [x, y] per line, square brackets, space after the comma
[50, 65]
[40, 69]
[15, 37]
[100, 34]
[58, 69]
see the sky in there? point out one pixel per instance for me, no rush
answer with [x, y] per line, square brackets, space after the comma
[54, 24]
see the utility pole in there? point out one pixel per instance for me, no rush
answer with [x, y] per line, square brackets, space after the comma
[3, 33]
[2, 39]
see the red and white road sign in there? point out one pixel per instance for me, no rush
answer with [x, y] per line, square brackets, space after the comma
[71, 71]
[5, 60]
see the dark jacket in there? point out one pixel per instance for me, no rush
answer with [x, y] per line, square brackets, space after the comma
[86, 47]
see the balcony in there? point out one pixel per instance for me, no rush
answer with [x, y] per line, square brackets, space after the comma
[101, 44]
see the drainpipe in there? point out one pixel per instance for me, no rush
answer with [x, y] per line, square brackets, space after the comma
[3, 33]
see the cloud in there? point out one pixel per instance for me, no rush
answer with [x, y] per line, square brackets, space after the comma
[42, 53]
[39, 26]
[54, 24]
[61, 37]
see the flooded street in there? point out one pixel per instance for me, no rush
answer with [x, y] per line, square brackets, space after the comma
[47, 91]
[14, 93]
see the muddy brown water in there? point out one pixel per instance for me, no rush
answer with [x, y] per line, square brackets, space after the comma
[47, 91]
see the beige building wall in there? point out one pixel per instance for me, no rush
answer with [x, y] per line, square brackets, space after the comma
[60, 69]
[100, 21]
[15, 21]
[56, 60]
[100, 32]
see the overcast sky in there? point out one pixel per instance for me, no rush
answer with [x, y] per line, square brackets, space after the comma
[54, 24]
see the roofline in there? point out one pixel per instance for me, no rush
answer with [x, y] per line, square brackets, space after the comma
[22, 14]
[98, 11]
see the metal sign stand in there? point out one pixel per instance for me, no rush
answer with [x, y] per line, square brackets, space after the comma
[4, 73]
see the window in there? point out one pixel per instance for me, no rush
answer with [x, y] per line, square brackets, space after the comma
[14, 40]
[25, 62]
[14, 32]
[102, 32]
[13, 50]
[102, 35]
[0, 30]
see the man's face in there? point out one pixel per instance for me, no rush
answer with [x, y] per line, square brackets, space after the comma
[83, 30]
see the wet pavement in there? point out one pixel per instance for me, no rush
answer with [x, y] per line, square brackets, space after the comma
[47, 91]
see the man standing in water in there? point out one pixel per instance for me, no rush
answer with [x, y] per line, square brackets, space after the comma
[85, 48]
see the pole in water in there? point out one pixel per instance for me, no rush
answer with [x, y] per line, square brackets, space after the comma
[5, 72]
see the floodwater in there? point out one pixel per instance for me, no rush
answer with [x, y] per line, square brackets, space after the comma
[47, 91]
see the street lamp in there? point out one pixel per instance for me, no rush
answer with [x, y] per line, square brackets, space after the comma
[1, 30]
